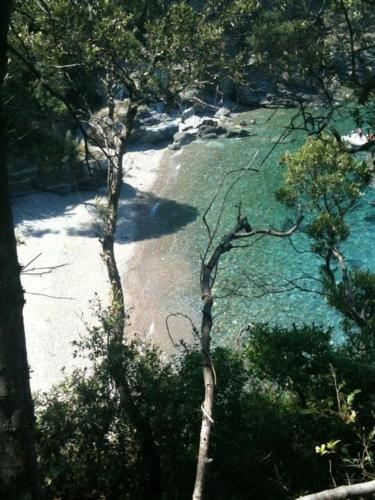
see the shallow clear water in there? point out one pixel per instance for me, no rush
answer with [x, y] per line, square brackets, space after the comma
[195, 175]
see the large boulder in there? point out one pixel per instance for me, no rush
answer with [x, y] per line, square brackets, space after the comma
[207, 131]
[153, 125]
[155, 133]
[247, 96]
[150, 115]
[182, 139]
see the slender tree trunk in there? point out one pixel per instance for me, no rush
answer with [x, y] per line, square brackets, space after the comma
[209, 383]
[241, 231]
[142, 427]
[18, 465]
[208, 269]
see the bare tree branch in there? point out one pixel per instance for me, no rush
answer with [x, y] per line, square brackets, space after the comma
[343, 492]
[180, 315]
[209, 267]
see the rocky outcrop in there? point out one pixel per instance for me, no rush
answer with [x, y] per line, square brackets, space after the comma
[153, 125]
[207, 128]
[156, 133]
[182, 139]
[247, 96]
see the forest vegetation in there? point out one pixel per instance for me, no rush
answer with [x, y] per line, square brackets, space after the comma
[289, 411]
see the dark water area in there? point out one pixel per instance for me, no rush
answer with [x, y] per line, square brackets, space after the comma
[251, 282]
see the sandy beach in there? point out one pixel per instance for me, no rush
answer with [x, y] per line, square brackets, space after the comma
[59, 234]
[158, 283]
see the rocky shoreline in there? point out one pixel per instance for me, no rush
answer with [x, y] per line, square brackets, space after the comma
[155, 126]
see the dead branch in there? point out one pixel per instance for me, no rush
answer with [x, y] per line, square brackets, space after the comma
[41, 271]
[199, 101]
[49, 296]
[240, 172]
[38, 271]
[246, 328]
[209, 267]
[343, 492]
[180, 315]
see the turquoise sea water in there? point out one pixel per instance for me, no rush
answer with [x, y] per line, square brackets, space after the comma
[267, 265]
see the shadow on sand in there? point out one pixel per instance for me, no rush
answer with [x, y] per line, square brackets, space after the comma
[142, 215]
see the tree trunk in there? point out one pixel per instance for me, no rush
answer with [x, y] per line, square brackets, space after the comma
[242, 230]
[144, 434]
[18, 465]
[209, 383]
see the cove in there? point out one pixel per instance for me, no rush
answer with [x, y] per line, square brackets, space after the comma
[247, 276]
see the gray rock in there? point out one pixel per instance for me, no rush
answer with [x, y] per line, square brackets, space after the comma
[209, 122]
[247, 96]
[210, 136]
[155, 133]
[222, 113]
[182, 139]
[188, 113]
[205, 130]
[241, 132]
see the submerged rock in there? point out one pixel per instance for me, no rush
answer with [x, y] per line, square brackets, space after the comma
[182, 139]
[238, 132]
[210, 130]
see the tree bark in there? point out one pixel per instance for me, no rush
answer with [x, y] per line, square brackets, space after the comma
[114, 185]
[144, 434]
[18, 465]
[343, 492]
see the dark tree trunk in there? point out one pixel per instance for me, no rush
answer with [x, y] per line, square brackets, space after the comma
[18, 465]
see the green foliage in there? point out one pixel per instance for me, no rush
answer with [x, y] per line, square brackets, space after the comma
[327, 230]
[361, 300]
[188, 48]
[293, 358]
[322, 177]
[289, 48]
[150, 50]
[326, 183]
[309, 42]
[73, 57]
[275, 403]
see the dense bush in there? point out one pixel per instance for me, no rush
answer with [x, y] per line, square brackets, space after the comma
[287, 411]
